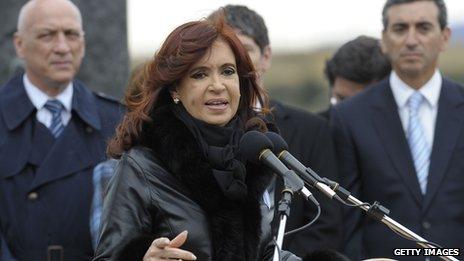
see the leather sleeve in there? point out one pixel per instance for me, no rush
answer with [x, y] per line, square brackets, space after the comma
[126, 211]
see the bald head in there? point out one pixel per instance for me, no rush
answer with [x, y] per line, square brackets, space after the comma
[35, 9]
[50, 40]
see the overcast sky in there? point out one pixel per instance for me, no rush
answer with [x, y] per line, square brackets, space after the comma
[292, 24]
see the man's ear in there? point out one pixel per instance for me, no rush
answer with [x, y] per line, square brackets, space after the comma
[266, 57]
[18, 44]
[446, 35]
[83, 49]
[383, 46]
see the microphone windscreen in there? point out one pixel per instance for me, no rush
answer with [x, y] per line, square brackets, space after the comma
[252, 144]
[278, 142]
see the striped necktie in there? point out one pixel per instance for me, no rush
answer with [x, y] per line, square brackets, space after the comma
[420, 149]
[55, 107]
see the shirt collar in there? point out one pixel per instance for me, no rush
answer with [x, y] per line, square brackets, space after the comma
[402, 91]
[39, 98]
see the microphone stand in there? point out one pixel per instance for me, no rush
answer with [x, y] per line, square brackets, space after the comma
[377, 212]
[380, 213]
[291, 185]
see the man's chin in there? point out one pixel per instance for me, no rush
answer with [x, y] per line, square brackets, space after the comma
[62, 78]
[412, 70]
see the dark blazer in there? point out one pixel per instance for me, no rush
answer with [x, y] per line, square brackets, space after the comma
[376, 165]
[326, 113]
[46, 184]
[309, 140]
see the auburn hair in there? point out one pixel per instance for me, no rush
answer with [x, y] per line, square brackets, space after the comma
[184, 47]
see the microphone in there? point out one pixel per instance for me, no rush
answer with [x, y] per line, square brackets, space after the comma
[376, 210]
[257, 148]
[306, 173]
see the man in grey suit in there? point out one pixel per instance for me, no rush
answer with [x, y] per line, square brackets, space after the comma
[401, 141]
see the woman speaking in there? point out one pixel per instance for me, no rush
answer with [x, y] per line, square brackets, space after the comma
[181, 191]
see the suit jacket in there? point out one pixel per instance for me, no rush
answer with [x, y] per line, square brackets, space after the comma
[46, 184]
[376, 165]
[309, 140]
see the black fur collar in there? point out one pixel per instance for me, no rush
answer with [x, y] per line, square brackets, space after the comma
[235, 226]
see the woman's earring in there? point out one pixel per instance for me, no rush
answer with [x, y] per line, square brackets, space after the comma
[176, 100]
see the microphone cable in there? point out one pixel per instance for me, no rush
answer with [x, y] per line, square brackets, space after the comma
[296, 230]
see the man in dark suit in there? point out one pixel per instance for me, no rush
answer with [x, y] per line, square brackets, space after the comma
[400, 142]
[353, 67]
[53, 130]
[308, 138]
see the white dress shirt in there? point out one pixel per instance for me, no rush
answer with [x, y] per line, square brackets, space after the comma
[427, 110]
[39, 98]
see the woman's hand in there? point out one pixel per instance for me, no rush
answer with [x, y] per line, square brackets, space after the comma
[162, 249]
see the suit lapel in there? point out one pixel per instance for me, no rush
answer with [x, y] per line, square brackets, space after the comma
[67, 156]
[448, 126]
[15, 151]
[388, 125]
[16, 110]
[79, 146]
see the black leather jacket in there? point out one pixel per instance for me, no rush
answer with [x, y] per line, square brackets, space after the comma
[144, 202]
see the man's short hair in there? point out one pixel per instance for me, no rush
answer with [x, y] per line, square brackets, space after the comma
[248, 22]
[360, 60]
[442, 12]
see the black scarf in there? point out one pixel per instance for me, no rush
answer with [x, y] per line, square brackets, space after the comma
[204, 159]
[219, 146]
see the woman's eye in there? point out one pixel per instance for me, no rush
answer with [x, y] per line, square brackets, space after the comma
[229, 71]
[198, 75]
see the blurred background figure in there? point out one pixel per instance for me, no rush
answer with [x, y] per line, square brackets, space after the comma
[354, 66]
[298, 57]
[399, 142]
[308, 138]
[107, 62]
[302, 36]
[54, 131]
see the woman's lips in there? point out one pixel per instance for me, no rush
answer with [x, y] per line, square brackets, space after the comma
[217, 104]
